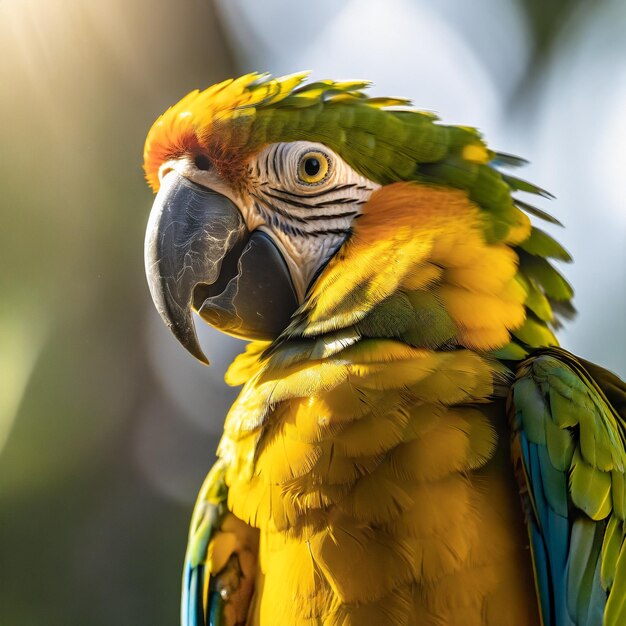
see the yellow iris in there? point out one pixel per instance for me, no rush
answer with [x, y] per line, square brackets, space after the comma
[313, 167]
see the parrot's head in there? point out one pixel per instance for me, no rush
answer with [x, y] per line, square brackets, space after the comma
[249, 208]
[259, 182]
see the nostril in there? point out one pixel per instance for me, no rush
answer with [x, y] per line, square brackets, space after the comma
[202, 162]
[163, 171]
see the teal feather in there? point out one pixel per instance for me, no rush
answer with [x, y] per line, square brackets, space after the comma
[216, 610]
[585, 550]
[573, 454]
[196, 610]
[554, 483]
[526, 394]
[541, 571]
[549, 534]
[597, 599]
[502, 159]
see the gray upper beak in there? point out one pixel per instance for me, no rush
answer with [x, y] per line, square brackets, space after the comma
[190, 231]
[199, 254]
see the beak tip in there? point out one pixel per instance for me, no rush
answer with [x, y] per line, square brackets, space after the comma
[193, 347]
[186, 335]
[202, 358]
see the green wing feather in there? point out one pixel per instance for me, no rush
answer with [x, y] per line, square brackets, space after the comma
[220, 541]
[541, 244]
[569, 442]
[200, 604]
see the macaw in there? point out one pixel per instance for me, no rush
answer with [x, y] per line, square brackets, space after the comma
[410, 446]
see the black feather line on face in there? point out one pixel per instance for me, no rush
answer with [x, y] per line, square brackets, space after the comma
[281, 162]
[316, 213]
[285, 214]
[273, 219]
[317, 194]
[267, 162]
[276, 162]
[294, 203]
[326, 203]
[331, 216]
[327, 231]
[299, 219]
[312, 207]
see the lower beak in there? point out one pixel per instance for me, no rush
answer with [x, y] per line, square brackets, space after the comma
[200, 255]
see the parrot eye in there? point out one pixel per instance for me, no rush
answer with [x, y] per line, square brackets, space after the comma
[202, 162]
[313, 167]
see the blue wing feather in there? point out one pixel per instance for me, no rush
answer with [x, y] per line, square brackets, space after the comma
[198, 606]
[555, 403]
[549, 537]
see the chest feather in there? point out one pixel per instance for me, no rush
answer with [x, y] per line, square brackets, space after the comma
[377, 494]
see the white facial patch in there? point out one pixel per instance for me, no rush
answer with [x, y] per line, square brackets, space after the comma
[306, 197]
[303, 194]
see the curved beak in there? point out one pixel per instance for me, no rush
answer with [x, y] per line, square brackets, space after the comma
[190, 232]
[200, 255]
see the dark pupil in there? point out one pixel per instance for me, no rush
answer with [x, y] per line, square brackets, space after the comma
[312, 166]
[202, 162]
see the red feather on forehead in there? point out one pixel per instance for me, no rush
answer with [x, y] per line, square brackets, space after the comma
[215, 122]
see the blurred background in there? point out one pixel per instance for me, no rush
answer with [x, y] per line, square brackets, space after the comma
[107, 427]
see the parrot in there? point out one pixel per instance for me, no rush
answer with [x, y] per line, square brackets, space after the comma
[410, 444]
